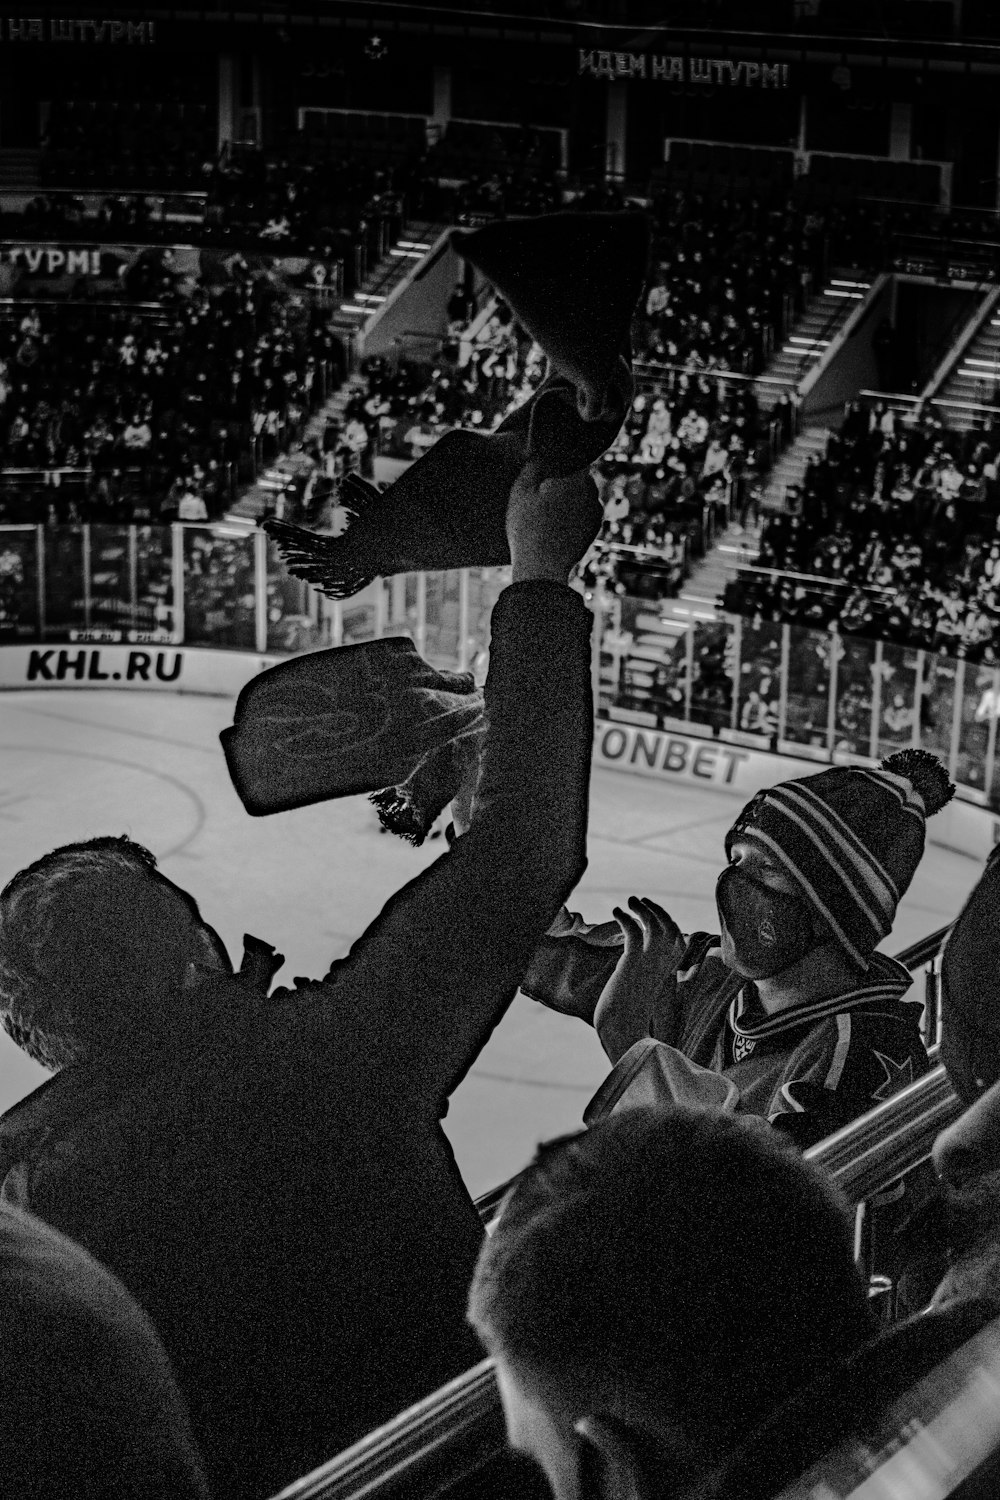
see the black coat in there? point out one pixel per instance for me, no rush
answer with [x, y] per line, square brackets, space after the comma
[272, 1182]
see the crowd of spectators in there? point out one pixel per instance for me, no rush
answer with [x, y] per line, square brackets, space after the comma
[694, 447]
[901, 516]
[157, 416]
[237, 363]
[726, 279]
[339, 211]
[240, 1305]
[692, 439]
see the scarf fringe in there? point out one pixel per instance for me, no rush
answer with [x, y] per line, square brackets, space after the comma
[334, 565]
[399, 815]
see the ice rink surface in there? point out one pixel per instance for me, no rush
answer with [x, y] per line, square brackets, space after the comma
[75, 764]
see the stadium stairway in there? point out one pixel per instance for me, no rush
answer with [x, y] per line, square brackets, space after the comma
[975, 372]
[282, 474]
[256, 498]
[791, 466]
[661, 625]
[385, 276]
[824, 314]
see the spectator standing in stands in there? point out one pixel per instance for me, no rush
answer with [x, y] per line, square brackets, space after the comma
[88, 1405]
[267, 1174]
[653, 1291]
[137, 438]
[191, 506]
[791, 1005]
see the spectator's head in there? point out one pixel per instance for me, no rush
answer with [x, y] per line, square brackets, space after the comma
[970, 1028]
[94, 941]
[823, 861]
[655, 1287]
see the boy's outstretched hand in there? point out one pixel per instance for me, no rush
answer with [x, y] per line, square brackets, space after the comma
[550, 523]
[654, 945]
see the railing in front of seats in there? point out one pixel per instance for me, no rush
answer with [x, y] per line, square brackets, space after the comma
[462, 1418]
[458, 1429]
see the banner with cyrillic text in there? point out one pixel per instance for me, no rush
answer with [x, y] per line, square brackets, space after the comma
[714, 72]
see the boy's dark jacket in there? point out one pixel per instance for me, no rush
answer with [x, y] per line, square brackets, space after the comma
[273, 1184]
[808, 1070]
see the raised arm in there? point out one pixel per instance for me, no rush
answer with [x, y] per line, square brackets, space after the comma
[431, 977]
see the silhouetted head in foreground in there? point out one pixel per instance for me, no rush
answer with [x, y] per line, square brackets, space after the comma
[655, 1287]
[95, 946]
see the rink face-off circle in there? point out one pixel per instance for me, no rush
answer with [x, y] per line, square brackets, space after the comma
[77, 764]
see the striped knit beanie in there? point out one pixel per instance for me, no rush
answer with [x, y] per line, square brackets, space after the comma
[851, 839]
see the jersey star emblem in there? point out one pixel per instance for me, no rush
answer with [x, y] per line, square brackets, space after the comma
[897, 1076]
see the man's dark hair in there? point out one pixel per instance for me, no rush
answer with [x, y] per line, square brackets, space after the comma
[88, 945]
[690, 1259]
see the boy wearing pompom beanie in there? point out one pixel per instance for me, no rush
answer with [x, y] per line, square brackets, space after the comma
[788, 1013]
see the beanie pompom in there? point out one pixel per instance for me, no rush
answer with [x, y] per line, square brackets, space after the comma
[926, 774]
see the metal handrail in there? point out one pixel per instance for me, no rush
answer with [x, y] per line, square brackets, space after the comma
[961, 405]
[466, 1408]
[821, 578]
[463, 1418]
[836, 316]
[647, 369]
[461, 1423]
[868, 589]
[883, 1145]
[886, 396]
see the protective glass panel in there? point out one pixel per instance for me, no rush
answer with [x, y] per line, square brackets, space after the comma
[155, 581]
[359, 622]
[809, 686]
[712, 673]
[19, 586]
[218, 590]
[441, 639]
[979, 704]
[759, 687]
[899, 687]
[293, 615]
[112, 583]
[65, 608]
[852, 722]
[401, 596]
[642, 668]
[937, 703]
[485, 588]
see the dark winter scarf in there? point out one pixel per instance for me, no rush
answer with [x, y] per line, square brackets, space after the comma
[572, 281]
[371, 718]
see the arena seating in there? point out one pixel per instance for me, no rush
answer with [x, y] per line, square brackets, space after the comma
[470, 146]
[359, 137]
[109, 414]
[719, 170]
[127, 143]
[895, 536]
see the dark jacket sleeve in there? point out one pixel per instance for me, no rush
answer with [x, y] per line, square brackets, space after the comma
[425, 985]
[571, 965]
[843, 1068]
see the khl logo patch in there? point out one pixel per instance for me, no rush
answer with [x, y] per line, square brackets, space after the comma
[743, 1046]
